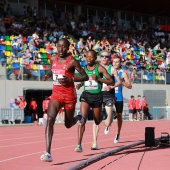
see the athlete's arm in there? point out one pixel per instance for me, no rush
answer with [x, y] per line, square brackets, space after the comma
[108, 80]
[126, 81]
[115, 74]
[47, 76]
[78, 86]
[75, 64]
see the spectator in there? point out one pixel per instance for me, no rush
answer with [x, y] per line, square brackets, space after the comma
[145, 109]
[45, 104]
[3, 59]
[138, 107]
[33, 109]
[130, 105]
[22, 103]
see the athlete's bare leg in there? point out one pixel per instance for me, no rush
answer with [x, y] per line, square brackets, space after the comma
[52, 112]
[96, 129]
[109, 120]
[84, 109]
[119, 122]
[97, 120]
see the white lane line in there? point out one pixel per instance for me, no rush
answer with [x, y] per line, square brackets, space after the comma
[17, 157]
[27, 143]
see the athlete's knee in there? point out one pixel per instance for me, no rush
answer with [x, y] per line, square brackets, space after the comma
[119, 115]
[51, 119]
[97, 122]
[68, 125]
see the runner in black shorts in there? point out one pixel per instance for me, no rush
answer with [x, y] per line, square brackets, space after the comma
[119, 93]
[92, 96]
[108, 97]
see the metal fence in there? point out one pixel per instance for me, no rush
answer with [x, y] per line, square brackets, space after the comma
[11, 115]
[161, 113]
[36, 73]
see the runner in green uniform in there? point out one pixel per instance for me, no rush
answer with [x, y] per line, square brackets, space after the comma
[92, 96]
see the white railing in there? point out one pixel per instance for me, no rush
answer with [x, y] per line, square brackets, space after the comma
[11, 115]
[161, 112]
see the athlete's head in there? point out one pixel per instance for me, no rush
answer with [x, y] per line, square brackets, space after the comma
[91, 57]
[62, 47]
[117, 62]
[105, 57]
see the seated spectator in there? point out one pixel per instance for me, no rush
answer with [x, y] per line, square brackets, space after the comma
[36, 58]
[80, 43]
[72, 50]
[9, 69]
[24, 61]
[3, 58]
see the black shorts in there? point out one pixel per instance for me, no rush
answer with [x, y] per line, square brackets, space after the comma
[119, 106]
[108, 99]
[94, 100]
[131, 111]
[33, 111]
[138, 110]
[145, 111]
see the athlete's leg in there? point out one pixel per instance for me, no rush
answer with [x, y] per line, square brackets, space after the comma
[109, 119]
[84, 109]
[119, 110]
[53, 109]
[119, 122]
[70, 120]
[97, 120]
[96, 129]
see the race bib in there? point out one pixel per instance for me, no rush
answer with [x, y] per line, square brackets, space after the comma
[57, 74]
[116, 89]
[103, 88]
[91, 84]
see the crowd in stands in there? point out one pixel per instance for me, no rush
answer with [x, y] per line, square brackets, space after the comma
[28, 41]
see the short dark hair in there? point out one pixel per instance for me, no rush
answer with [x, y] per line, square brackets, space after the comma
[66, 41]
[95, 54]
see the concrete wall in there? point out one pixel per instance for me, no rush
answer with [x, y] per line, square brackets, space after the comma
[10, 89]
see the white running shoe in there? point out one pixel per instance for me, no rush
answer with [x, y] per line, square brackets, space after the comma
[106, 131]
[116, 140]
[46, 157]
[94, 147]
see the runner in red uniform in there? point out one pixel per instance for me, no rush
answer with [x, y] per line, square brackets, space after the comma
[63, 93]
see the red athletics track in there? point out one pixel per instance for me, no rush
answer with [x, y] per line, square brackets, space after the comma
[21, 147]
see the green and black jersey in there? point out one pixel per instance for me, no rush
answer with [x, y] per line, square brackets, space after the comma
[91, 85]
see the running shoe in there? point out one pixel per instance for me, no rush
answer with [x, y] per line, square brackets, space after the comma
[78, 148]
[116, 140]
[94, 147]
[46, 157]
[106, 131]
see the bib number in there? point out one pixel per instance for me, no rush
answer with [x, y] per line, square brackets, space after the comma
[116, 89]
[91, 84]
[58, 74]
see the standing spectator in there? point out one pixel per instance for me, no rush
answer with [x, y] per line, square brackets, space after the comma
[138, 107]
[33, 109]
[131, 108]
[145, 109]
[24, 61]
[45, 104]
[22, 103]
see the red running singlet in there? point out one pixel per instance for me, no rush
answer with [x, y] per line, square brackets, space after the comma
[65, 94]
